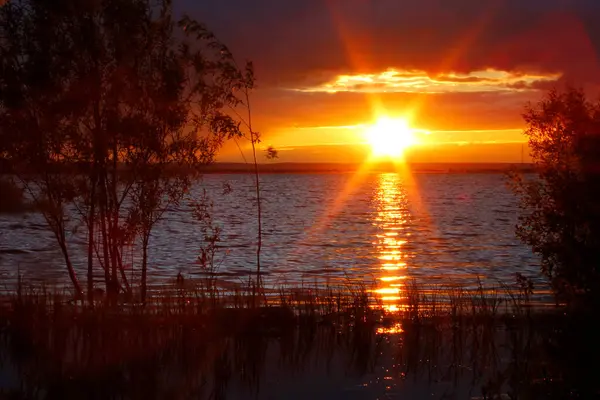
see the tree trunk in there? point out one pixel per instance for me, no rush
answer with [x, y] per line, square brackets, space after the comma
[114, 231]
[122, 270]
[63, 247]
[104, 234]
[259, 217]
[145, 241]
[253, 140]
[91, 223]
[113, 255]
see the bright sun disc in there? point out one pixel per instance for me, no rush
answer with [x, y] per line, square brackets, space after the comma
[390, 137]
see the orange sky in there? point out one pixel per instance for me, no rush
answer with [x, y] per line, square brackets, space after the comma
[460, 73]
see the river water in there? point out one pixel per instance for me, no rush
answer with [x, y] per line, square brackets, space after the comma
[387, 227]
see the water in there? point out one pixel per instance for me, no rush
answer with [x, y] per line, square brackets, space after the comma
[382, 227]
[141, 360]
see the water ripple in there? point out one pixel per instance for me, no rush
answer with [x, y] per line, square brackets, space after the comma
[436, 226]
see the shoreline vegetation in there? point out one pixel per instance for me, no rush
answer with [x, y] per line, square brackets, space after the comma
[323, 296]
[194, 339]
[379, 167]
[110, 110]
[12, 200]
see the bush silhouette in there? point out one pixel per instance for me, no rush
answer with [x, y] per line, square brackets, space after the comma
[11, 197]
[560, 217]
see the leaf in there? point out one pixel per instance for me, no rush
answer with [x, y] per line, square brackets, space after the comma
[119, 94]
[271, 153]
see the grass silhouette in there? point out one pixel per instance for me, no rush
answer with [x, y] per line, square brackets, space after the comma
[208, 342]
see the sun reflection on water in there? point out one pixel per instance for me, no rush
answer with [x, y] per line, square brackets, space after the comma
[391, 219]
[391, 330]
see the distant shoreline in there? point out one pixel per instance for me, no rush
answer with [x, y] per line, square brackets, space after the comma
[311, 168]
[332, 168]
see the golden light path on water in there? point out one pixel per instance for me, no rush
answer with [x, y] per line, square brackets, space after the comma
[393, 267]
[391, 219]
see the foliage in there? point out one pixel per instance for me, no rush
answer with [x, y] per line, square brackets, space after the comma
[561, 213]
[209, 244]
[271, 153]
[108, 107]
[11, 198]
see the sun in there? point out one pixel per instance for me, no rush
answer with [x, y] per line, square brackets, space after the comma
[390, 137]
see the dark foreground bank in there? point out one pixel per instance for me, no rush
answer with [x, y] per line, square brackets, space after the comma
[185, 345]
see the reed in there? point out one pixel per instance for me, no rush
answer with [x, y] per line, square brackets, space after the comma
[194, 340]
[317, 299]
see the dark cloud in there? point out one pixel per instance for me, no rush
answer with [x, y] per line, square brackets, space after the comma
[300, 44]
[292, 40]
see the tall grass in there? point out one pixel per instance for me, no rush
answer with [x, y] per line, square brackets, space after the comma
[346, 300]
[190, 340]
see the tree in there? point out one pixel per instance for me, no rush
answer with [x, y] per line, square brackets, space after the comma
[560, 209]
[108, 108]
[254, 138]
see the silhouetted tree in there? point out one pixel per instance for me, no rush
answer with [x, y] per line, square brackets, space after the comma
[561, 207]
[108, 107]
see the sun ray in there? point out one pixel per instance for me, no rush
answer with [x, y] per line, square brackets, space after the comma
[358, 60]
[340, 200]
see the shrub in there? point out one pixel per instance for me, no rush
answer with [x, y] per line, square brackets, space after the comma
[11, 197]
[560, 211]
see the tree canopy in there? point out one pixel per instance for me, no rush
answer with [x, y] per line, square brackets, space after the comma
[561, 211]
[107, 107]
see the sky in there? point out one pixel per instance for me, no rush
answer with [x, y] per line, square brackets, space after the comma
[460, 71]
